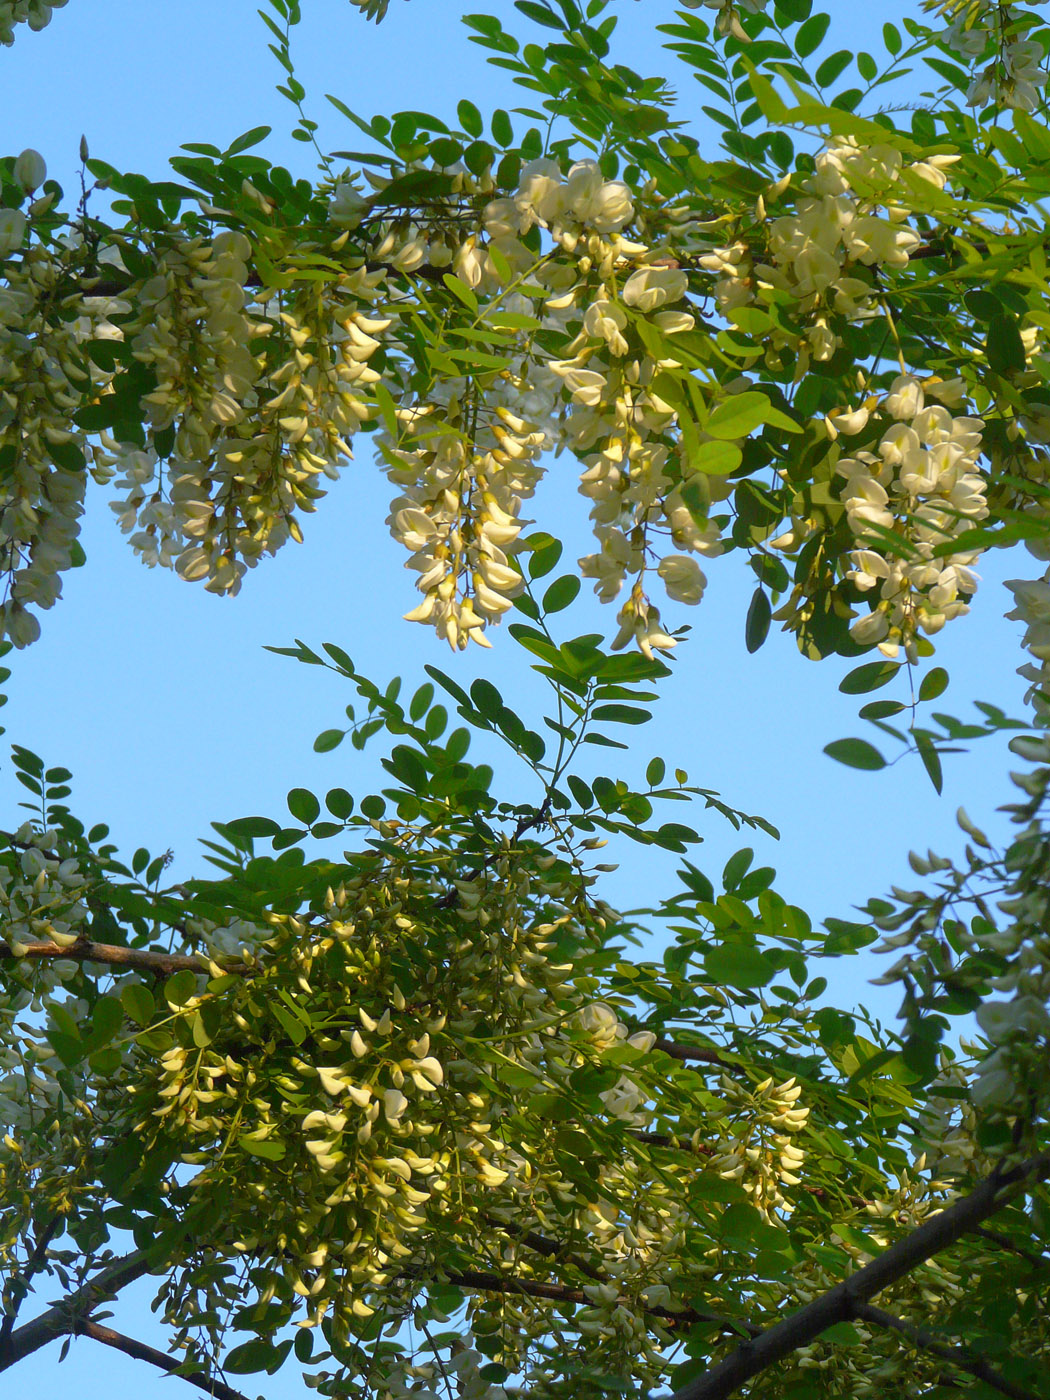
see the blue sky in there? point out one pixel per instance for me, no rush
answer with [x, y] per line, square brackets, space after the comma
[160, 698]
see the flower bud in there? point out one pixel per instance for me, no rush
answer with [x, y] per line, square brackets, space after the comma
[30, 170]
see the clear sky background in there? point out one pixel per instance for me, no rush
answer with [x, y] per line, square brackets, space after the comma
[159, 696]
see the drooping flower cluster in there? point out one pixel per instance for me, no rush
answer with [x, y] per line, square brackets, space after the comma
[761, 1155]
[851, 214]
[905, 500]
[43, 380]
[983, 30]
[460, 511]
[35, 13]
[259, 403]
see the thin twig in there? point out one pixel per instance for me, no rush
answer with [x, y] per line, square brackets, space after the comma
[958, 1356]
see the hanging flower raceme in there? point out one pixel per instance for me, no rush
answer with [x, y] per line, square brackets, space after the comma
[907, 497]
[253, 403]
[463, 477]
[44, 378]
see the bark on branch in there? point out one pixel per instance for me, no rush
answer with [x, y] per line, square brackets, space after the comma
[68, 1316]
[139, 1351]
[958, 1356]
[840, 1303]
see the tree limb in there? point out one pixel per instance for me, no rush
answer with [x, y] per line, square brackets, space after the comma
[116, 955]
[958, 1356]
[63, 1318]
[839, 1303]
[139, 1351]
[561, 1293]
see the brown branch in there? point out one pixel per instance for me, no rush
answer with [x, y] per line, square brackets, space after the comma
[561, 1293]
[839, 1303]
[685, 1053]
[63, 1318]
[139, 1351]
[958, 1356]
[117, 955]
[19, 1283]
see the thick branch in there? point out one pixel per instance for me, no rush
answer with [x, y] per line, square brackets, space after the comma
[62, 1319]
[685, 1053]
[115, 955]
[839, 1303]
[139, 1351]
[958, 1356]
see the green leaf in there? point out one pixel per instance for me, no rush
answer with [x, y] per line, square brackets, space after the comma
[561, 593]
[931, 761]
[328, 740]
[715, 459]
[180, 987]
[737, 965]
[855, 753]
[303, 805]
[107, 1017]
[811, 35]
[487, 700]
[250, 138]
[654, 774]
[891, 38]
[620, 714]
[1004, 346]
[756, 627]
[934, 683]
[830, 69]
[871, 676]
[137, 1001]
[740, 414]
[470, 118]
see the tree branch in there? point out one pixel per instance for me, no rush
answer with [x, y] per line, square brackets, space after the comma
[63, 1318]
[561, 1293]
[139, 1351]
[839, 1303]
[958, 1356]
[1037, 1261]
[116, 955]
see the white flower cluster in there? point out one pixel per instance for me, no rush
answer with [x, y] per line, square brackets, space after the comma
[42, 899]
[465, 460]
[256, 421]
[460, 511]
[627, 1098]
[35, 13]
[1015, 73]
[624, 433]
[1032, 606]
[43, 378]
[917, 490]
[762, 1155]
[836, 225]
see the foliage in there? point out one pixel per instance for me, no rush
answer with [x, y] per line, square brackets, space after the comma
[388, 1091]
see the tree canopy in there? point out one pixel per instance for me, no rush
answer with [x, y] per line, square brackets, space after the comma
[394, 1093]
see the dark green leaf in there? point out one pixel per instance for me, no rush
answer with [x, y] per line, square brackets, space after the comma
[934, 683]
[871, 676]
[303, 805]
[855, 753]
[759, 614]
[811, 35]
[561, 593]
